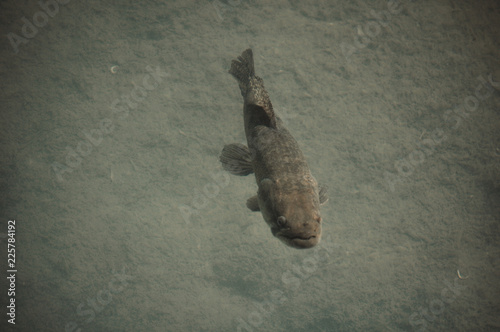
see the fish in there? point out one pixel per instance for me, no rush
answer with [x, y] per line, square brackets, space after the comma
[288, 196]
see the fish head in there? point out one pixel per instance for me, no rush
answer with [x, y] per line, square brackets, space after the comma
[293, 216]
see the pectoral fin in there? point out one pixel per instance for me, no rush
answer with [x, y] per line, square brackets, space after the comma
[236, 159]
[253, 203]
[323, 194]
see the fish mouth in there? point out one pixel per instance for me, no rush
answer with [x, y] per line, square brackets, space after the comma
[300, 241]
[300, 238]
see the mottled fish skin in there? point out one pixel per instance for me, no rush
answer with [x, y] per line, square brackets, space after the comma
[288, 195]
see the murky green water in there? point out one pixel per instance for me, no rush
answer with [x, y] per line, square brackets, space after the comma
[113, 117]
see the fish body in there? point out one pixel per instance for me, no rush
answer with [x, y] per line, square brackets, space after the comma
[288, 195]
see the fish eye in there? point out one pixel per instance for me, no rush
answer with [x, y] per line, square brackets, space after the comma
[282, 221]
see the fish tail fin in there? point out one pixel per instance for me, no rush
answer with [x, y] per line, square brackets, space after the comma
[243, 70]
[252, 90]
